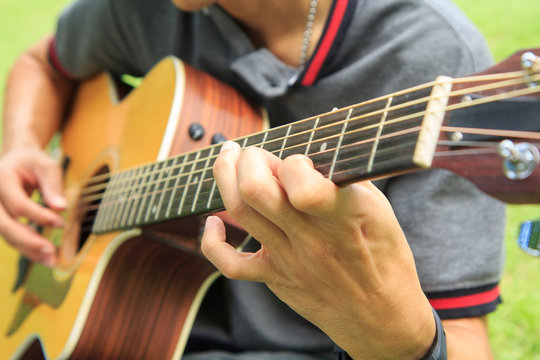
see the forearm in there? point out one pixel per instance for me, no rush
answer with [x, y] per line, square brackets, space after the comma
[467, 339]
[35, 101]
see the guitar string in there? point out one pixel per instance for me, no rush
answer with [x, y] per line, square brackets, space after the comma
[100, 186]
[450, 130]
[459, 105]
[518, 79]
[195, 182]
[101, 178]
[482, 148]
[492, 149]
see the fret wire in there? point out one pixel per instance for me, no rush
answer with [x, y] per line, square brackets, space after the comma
[151, 208]
[108, 203]
[285, 140]
[379, 131]
[188, 183]
[312, 133]
[101, 209]
[166, 188]
[119, 210]
[175, 187]
[212, 191]
[137, 195]
[144, 192]
[131, 196]
[202, 178]
[263, 142]
[340, 139]
[116, 194]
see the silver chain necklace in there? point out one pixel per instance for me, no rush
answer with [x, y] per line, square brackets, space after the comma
[307, 33]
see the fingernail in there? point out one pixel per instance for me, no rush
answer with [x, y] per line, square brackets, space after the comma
[228, 145]
[211, 221]
[59, 202]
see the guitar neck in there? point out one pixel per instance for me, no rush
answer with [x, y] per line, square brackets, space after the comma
[382, 137]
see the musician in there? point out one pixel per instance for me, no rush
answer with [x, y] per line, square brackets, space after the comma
[358, 266]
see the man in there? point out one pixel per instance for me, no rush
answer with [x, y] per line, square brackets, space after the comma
[340, 257]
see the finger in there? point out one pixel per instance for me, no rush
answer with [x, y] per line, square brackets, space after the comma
[309, 191]
[18, 203]
[231, 263]
[26, 240]
[49, 177]
[260, 187]
[226, 174]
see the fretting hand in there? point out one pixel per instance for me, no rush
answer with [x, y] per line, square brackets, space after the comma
[336, 255]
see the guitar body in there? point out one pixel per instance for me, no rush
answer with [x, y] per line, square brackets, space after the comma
[129, 294]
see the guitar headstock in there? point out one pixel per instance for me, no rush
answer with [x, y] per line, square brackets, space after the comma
[491, 131]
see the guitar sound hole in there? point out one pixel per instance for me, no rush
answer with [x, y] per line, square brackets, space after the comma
[90, 201]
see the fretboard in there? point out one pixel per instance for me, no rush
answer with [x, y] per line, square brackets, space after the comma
[376, 138]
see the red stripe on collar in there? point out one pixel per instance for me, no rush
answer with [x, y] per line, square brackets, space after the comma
[325, 44]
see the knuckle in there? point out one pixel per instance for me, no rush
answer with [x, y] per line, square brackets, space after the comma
[307, 198]
[251, 188]
[241, 212]
[15, 208]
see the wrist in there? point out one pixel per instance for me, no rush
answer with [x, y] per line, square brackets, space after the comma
[14, 143]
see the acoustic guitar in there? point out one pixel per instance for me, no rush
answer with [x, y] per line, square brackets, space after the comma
[138, 179]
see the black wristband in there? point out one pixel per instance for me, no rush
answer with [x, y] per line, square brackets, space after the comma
[437, 351]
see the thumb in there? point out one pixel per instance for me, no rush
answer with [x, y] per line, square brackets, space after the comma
[231, 263]
[213, 242]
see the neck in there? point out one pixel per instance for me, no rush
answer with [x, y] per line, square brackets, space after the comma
[279, 25]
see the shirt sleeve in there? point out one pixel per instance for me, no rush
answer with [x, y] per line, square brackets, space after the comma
[456, 234]
[118, 36]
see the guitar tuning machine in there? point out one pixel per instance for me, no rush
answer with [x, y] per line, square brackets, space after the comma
[531, 64]
[520, 160]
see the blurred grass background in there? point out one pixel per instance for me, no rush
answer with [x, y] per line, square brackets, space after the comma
[508, 26]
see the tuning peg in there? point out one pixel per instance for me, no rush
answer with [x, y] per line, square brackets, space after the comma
[529, 237]
[520, 160]
[531, 64]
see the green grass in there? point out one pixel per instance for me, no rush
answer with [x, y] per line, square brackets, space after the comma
[508, 26]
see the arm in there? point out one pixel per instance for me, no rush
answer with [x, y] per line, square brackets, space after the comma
[467, 338]
[336, 255]
[36, 98]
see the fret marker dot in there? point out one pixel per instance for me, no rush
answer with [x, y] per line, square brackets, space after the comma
[324, 146]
